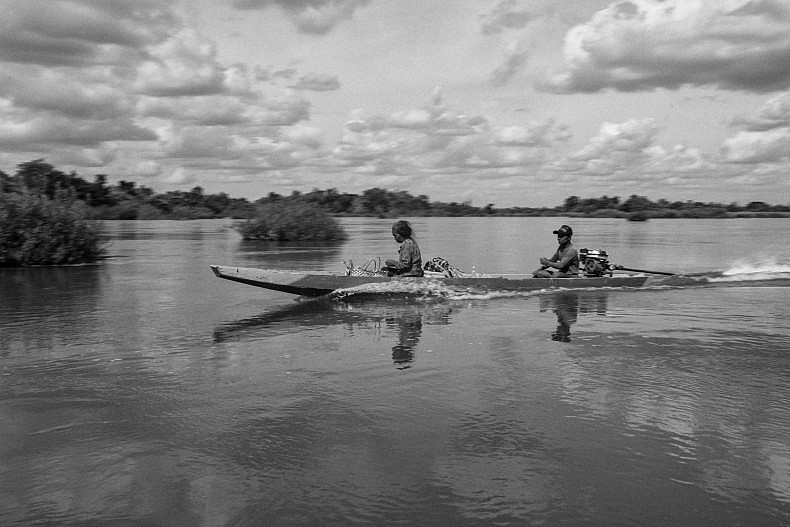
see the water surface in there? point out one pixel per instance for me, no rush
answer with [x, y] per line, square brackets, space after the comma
[145, 391]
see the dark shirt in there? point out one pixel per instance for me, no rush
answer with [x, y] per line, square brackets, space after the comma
[409, 259]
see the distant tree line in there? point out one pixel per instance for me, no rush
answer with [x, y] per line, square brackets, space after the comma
[612, 206]
[128, 201]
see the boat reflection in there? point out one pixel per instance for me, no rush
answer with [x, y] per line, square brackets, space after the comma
[567, 305]
[403, 319]
[397, 321]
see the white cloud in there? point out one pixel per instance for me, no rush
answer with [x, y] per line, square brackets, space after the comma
[507, 14]
[148, 169]
[205, 110]
[280, 110]
[179, 177]
[85, 157]
[773, 114]
[316, 16]
[183, 65]
[437, 139]
[80, 32]
[63, 92]
[44, 131]
[628, 154]
[645, 44]
[628, 138]
[303, 134]
[317, 82]
[544, 133]
[515, 58]
[759, 147]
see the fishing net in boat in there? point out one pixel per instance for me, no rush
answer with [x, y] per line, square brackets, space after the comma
[437, 267]
[370, 268]
[440, 266]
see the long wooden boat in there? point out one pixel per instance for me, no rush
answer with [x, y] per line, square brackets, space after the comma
[318, 283]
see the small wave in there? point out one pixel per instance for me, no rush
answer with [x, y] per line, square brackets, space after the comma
[750, 272]
[396, 287]
[436, 290]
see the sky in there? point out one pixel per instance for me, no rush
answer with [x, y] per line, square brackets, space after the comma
[508, 102]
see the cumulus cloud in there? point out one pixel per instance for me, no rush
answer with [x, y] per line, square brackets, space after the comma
[80, 32]
[680, 160]
[42, 133]
[514, 60]
[545, 133]
[774, 113]
[183, 65]
[133, 73]
[766, 139]
[279, 110]
[84, 157]
[645, 44]
[627, 154]
[147, 169]
[197, 142]
[317, 82]
[205, 110]
[302, 134]
[434, 118]
[223, 110]
[507, 14]
[36, 89]
[314, 16]
[769, 146]
[435, 139]
[179, 177]
[630, 137]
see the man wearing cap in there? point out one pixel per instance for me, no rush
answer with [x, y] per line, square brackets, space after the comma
[565, 262]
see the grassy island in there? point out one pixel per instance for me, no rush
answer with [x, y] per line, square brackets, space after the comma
[35, 230]
[280, 221]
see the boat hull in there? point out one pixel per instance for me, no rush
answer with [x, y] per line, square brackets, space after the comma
[321, 283]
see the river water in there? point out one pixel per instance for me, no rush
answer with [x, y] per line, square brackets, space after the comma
[143, 391]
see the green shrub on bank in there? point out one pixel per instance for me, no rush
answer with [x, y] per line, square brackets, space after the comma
[289, 222]
[35, 230]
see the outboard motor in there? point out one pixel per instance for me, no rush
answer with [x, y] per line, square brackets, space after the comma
[595, 262]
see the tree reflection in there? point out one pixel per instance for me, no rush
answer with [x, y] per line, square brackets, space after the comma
[41, 308]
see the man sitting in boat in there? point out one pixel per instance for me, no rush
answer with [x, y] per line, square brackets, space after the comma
[565, 262]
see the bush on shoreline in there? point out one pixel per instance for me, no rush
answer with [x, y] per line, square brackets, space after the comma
[280, 221]
[35, 230]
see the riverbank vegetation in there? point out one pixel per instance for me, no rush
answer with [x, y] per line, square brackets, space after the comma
[128, 201]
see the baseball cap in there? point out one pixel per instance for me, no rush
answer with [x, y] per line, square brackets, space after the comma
[564, 231]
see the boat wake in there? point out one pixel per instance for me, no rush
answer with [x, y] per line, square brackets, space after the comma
[772, 274]
[753, 272]
[432, 290]
[424, 289]
[768, 274]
